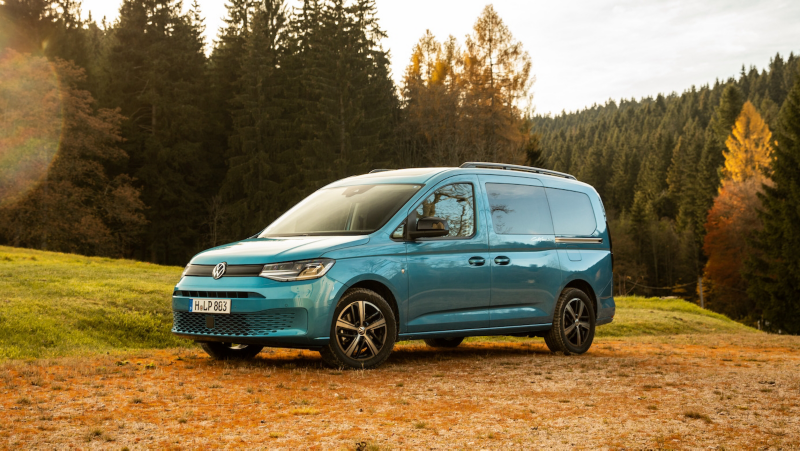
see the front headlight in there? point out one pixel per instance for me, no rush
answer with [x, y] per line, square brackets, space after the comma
[300, 270]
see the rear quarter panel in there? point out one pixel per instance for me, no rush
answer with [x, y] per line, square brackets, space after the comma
[594, 266]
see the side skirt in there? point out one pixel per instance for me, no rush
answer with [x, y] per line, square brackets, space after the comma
[508, 330]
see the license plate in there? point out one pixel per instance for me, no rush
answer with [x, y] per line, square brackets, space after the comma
[210, 306]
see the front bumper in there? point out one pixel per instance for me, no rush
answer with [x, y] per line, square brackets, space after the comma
[263, 311]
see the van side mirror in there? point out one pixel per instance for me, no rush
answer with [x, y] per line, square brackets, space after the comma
[427, 227]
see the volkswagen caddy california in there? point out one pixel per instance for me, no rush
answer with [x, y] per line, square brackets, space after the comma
[437, 254]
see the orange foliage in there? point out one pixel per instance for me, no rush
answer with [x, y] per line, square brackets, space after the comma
[734, 216]
[732, 219]
[467, 103]
[55, 155]
[31, 111]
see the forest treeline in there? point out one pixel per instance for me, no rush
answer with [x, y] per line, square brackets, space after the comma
[128, 139]
[216, 147]
[660, 164]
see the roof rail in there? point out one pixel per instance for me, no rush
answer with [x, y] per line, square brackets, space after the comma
[514, 167]
[380, 170]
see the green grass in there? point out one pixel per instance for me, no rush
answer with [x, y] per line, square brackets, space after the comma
[638, 316]
[54, 304]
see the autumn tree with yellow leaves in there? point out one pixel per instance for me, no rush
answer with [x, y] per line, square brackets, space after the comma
[749, 147]
[734, 216]
[467, 102]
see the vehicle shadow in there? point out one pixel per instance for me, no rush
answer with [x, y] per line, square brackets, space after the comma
[403, 354]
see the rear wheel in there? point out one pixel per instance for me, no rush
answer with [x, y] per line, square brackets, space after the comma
[450, 342]
[230, 351]
[363, 331]
[573, 323]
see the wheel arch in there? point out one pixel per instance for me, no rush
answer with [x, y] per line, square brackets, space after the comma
[586, 287]
[384, 291]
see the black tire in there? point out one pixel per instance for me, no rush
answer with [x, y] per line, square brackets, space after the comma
[450, 342]
[230, 351]
[362, 321]
[572, 331]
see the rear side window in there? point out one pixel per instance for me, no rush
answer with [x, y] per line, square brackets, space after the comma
[519, 209]
[572, 212]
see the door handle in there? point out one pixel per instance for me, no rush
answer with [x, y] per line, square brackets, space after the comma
[502, 261]
[477, 261]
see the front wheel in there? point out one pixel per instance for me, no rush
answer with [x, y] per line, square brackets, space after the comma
[230, 351]
[363, 331]
[573, 323]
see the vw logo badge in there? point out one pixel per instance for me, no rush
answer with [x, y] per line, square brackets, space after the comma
[219, 270]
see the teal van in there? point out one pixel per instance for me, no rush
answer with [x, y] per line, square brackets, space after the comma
[437, 254]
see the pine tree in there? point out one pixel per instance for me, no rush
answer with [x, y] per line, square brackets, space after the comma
[261, 136]
[156, 68]
[225, 67]
[51, 28]
[533, 154]
[624, 172]
[774, 270]
[351, 99]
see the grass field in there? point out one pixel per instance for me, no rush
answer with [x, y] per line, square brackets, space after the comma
[54, 304]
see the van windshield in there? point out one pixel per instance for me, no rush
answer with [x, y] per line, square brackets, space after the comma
[349, 210]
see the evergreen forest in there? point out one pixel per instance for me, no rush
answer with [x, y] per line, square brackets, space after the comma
[136, 138]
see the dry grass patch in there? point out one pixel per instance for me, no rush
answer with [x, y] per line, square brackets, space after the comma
[304, 411]
[697, 416]
[287, 399]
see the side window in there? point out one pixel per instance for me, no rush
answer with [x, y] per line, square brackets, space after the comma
[456, 204]
[519, 209]
[572, 212]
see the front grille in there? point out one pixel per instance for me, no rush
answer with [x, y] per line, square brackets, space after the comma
[217, 294]
[234, 324]
[230, 270]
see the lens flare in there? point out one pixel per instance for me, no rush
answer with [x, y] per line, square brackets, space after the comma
[31, 121]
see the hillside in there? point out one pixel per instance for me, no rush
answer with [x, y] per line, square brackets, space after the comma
[54, 304]
[57, 304]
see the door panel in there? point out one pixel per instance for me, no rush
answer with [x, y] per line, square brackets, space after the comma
[526, 274]
[449, 278]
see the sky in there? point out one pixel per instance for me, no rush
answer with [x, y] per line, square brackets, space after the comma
[587, 52]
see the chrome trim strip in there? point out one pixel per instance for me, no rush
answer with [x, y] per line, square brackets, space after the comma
[579, 240]
[231, 271]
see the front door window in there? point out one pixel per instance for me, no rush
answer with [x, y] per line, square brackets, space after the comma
[456, 204]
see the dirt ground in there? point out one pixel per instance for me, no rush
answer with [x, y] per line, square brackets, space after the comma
[718, 391]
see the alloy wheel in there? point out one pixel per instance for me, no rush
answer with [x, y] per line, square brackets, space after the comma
[361, 330]
[576, 322]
